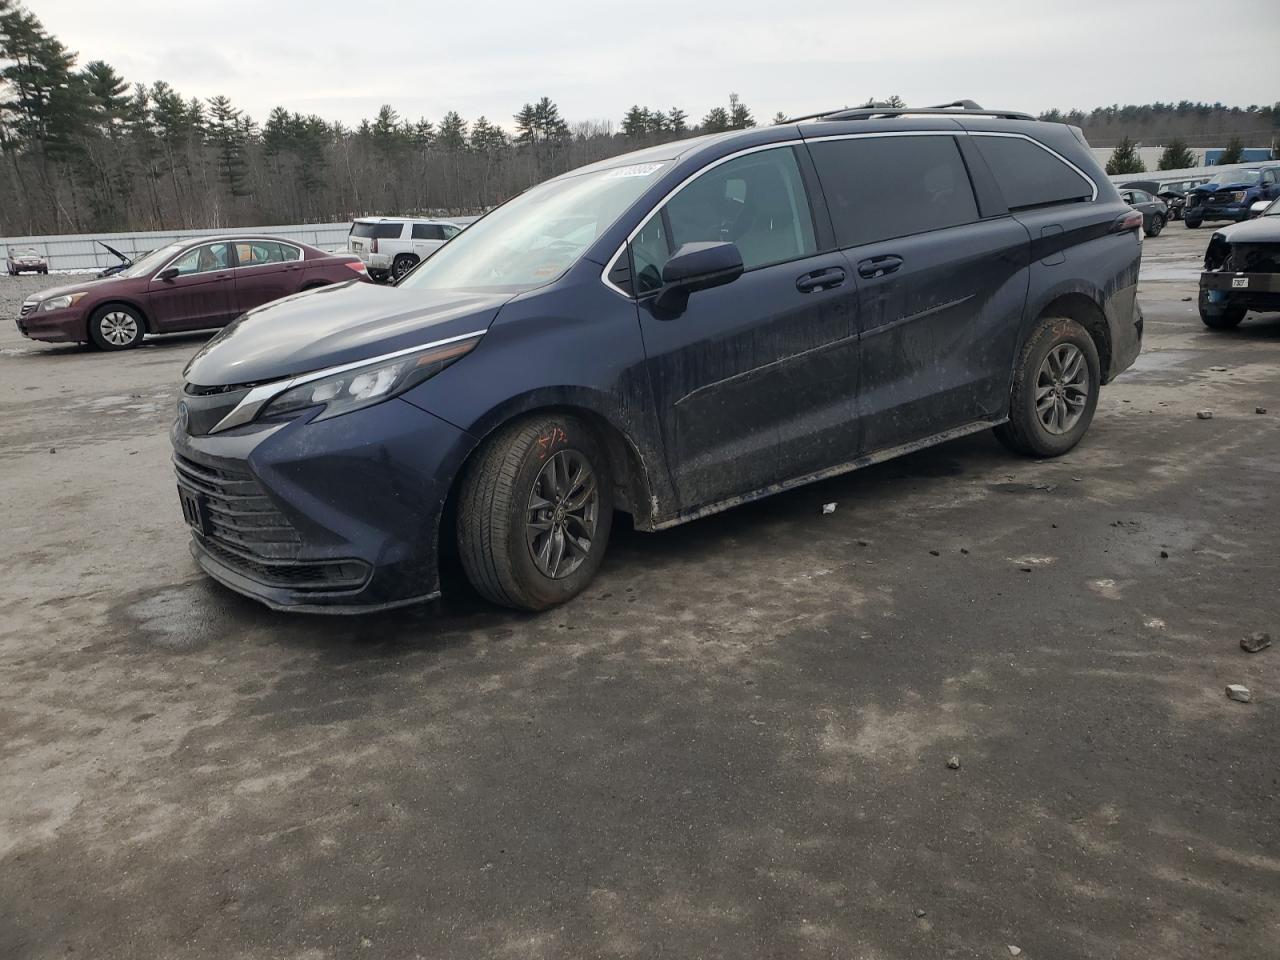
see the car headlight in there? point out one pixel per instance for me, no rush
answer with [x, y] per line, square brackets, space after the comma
[354, 387]
[1238, 196]
[61, 303]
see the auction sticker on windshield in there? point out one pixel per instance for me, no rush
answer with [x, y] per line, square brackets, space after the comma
[635, 170]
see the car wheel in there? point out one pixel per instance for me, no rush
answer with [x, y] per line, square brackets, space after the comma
[1227, 318]
[1193, 224]
[116, 327]
[534, 513]
[1055, 390]
[402, 265]
[1157, 224]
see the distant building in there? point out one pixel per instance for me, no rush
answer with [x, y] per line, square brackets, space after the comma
[1205, 156]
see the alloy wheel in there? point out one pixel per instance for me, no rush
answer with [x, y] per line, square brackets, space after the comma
[564, 507]
[1062, 389]
[118, 328]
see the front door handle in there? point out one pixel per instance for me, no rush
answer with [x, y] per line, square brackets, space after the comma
[879, 266]
[826, 279]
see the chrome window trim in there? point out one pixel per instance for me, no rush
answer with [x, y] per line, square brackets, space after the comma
[257, 398]
[958, 132]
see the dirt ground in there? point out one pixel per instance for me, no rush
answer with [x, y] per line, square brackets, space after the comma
[733, 745]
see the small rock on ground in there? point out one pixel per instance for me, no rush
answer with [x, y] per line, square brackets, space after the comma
[1204, 414]
[828, 508]
[1218, 369]
[1259, 409]
[1237, 692]
[918, 912]
[953, 763]
[1255, 642]
[1014, 951]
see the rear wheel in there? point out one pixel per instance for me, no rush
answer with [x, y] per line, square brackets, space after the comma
[1157, 224]
[116, 327]
[402, 265]
[534, 513]
[1055, 390]
[1191, 222]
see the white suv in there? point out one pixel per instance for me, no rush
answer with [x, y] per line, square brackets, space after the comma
[392, 246]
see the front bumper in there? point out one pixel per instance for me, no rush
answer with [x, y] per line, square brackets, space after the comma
[340, 516]
[1234, 211]
[54, 326]
[1220, 290]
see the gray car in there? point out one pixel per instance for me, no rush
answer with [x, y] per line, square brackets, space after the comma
[1155, 212]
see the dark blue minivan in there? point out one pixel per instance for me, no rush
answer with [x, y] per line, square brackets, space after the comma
[665, 334]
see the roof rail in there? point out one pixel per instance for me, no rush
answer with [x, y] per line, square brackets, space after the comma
[962, 107]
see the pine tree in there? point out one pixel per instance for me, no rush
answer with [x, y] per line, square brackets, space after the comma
[716, 120]
[1234, 153]
[1125, 159]
[739, 116]
[227, 133]
[780, 118]
[452, 134]
[677, 120]
[1176, 156]
[636, 121]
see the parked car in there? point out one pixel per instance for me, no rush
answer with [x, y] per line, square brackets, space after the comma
[125, 262]
[1155, 212]
[1230, 196]
[667, 333]
[392, 246]
[25, 261]
[1241, 271]
[191, 285]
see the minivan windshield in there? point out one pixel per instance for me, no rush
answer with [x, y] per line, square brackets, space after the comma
[533, 239]
[152, 260]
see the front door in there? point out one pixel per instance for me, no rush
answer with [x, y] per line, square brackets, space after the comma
[199, 296]
[266, 270]
[940, 291]
[754, 380]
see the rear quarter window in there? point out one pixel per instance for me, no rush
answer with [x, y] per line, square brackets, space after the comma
[1029, 175]
[878, 188]
[377, 231]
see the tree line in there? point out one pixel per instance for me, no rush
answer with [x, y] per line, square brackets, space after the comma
[85, 151]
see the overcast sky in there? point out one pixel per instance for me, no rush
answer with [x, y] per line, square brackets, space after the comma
[342, 59]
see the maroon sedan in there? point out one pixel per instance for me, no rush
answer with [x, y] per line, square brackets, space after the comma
[191, 285]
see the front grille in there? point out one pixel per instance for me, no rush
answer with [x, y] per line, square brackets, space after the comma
[240, 515]
[327, 575]
[1222, 198]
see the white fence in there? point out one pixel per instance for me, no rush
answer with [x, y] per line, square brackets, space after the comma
[81, 252]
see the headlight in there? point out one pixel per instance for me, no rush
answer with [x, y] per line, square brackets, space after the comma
[351, 388]
[61, 303]
[1238, 196]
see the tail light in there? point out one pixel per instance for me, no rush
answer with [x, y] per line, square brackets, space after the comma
[373, 246]
[358, 266]
[1127, 221]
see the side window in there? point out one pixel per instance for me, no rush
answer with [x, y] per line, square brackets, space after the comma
[387, 231]
[883, 187]
[757, 201]
[211, 256]
[427, 231]
[251, 253]
[1268, 177]
[1030, 176]
[450, 231]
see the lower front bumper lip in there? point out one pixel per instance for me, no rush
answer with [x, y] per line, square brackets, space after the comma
[289, 601]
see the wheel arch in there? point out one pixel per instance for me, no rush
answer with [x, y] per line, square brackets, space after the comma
[1084, 308]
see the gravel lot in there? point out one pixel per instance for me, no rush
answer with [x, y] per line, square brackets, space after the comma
[734, 745]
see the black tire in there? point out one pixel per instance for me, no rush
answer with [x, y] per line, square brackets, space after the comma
[402, 265]
[1157, 224]
[107, 328]
[1191, 222]
[1026, 432]
[1221, 318]
[494, 507]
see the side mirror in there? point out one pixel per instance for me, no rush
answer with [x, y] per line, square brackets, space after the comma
[694, 267]
[167, 274]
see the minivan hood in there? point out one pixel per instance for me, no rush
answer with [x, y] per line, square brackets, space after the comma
[342, 323]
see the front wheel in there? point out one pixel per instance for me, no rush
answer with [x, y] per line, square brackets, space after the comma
[116, 327]
[1191, 222]
[1157, 224]
[1055, 390]
[1227, 318]
[534, 513]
